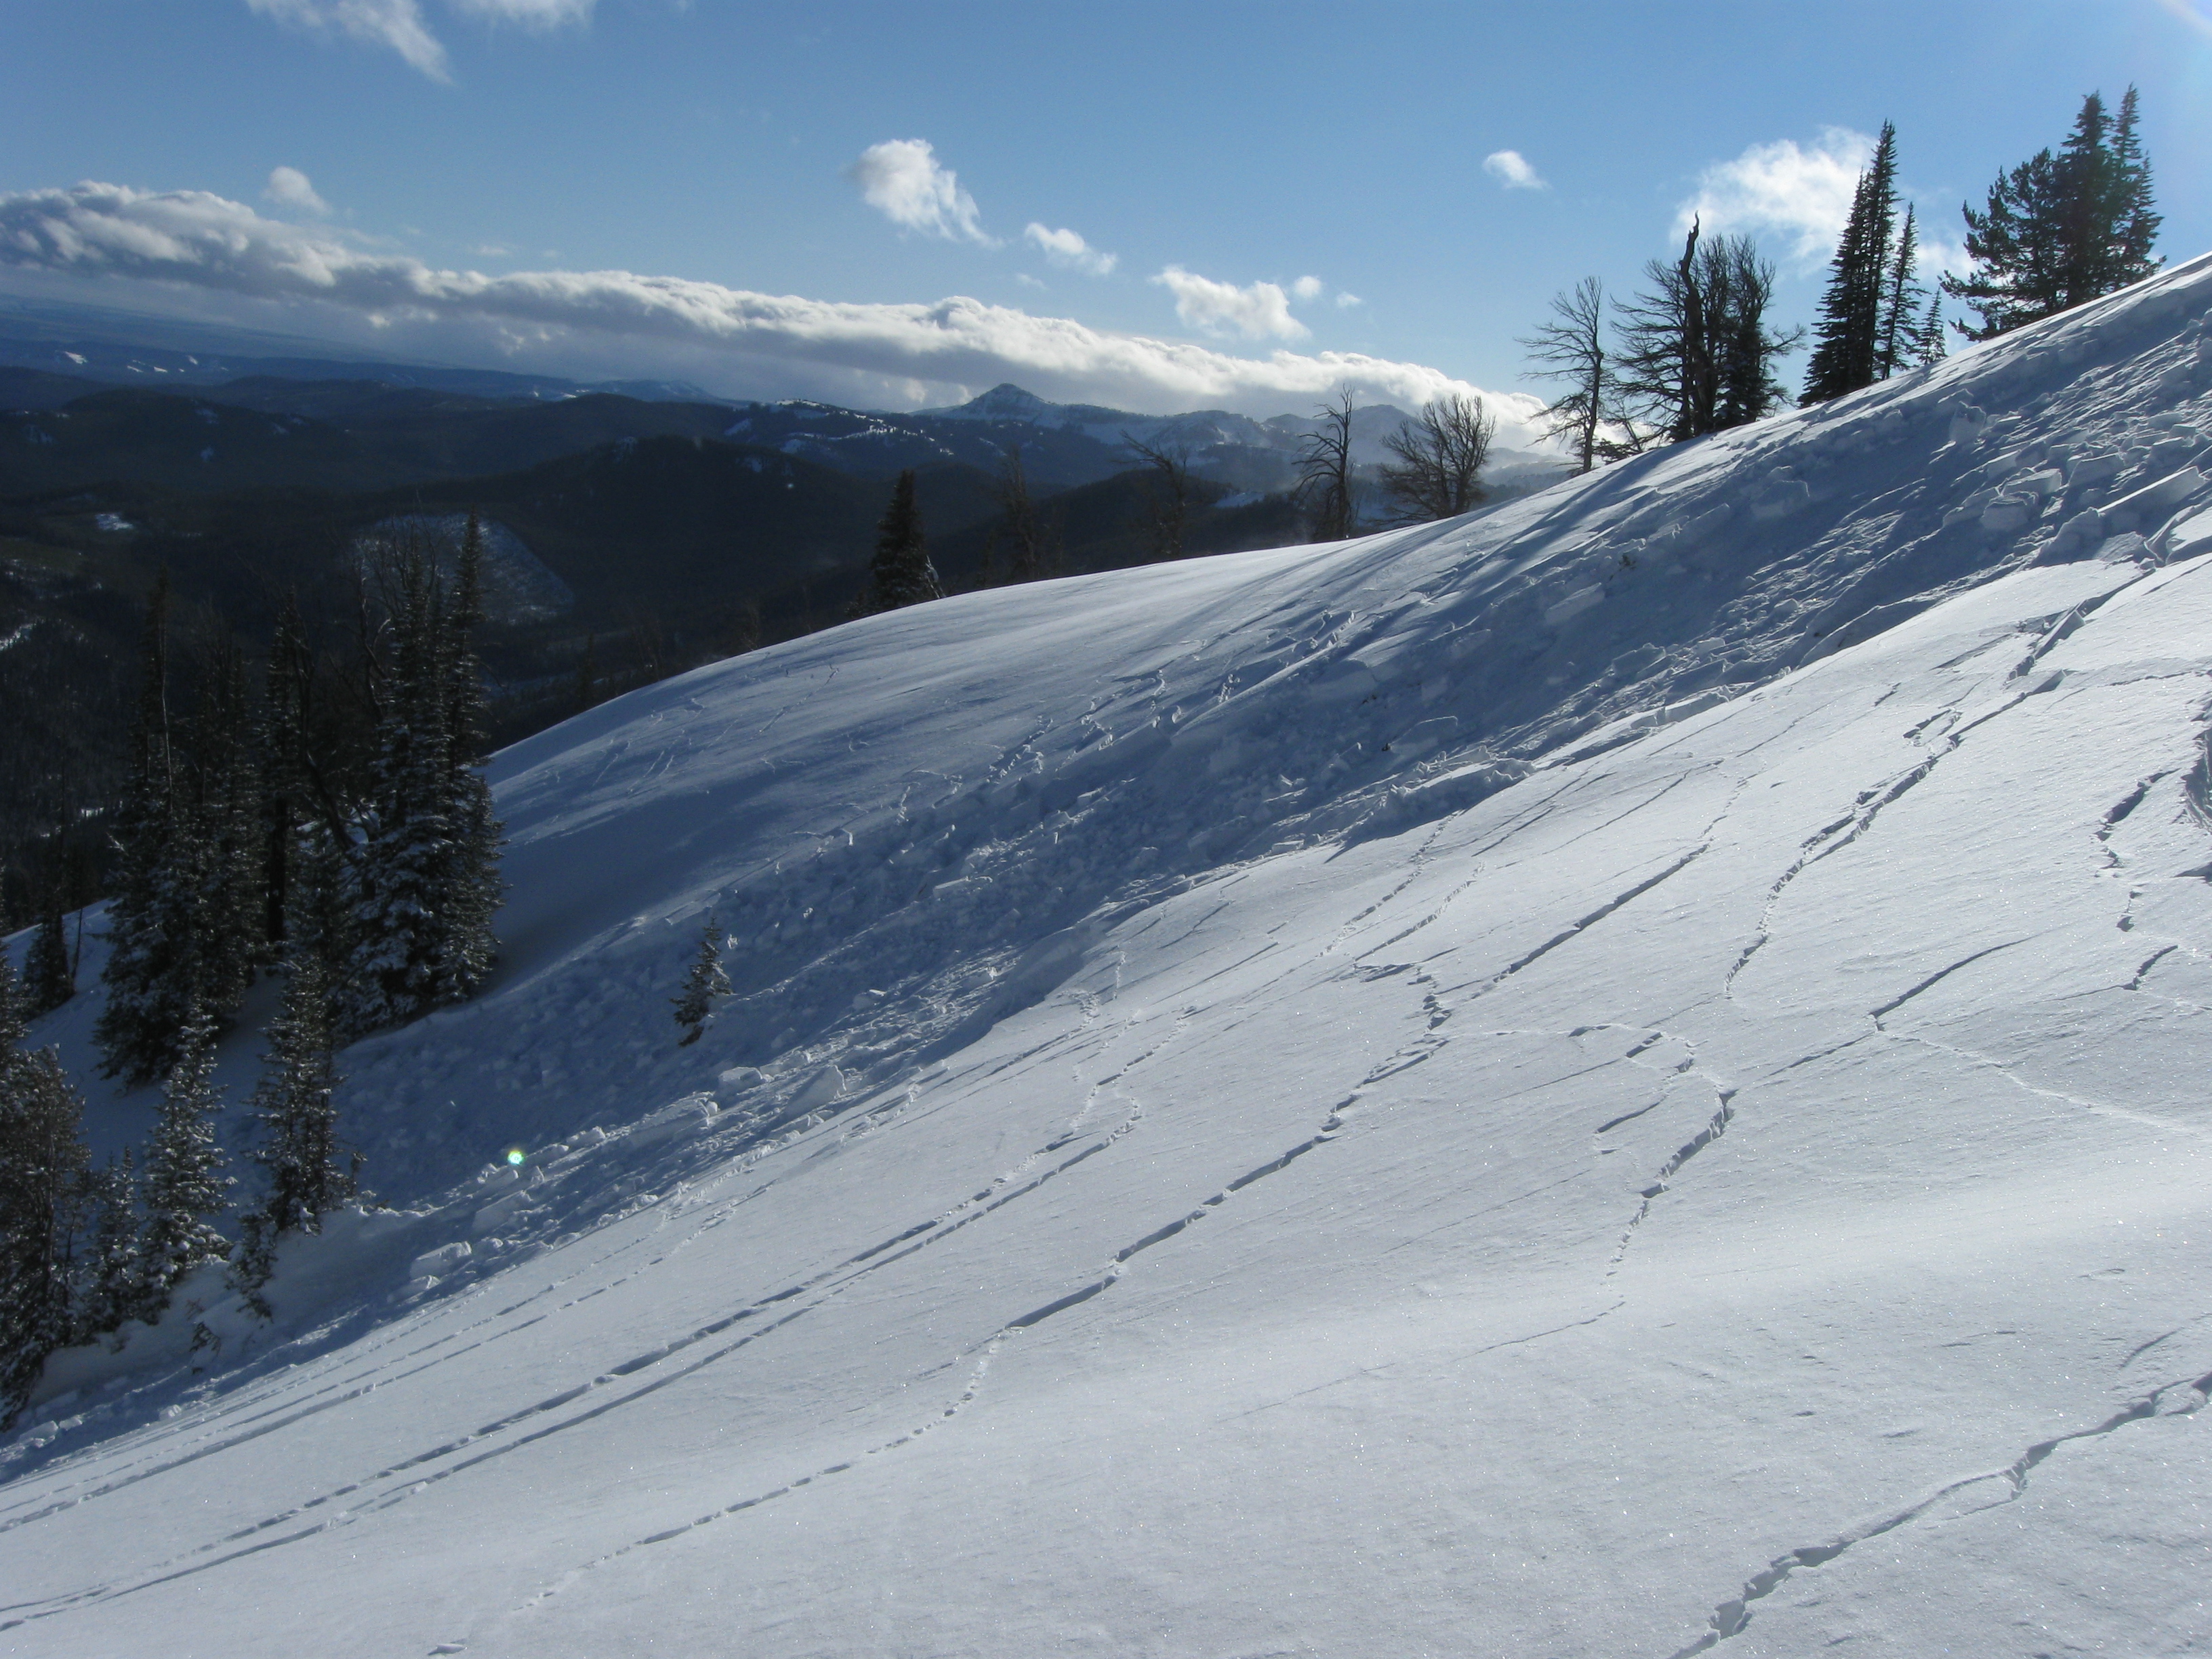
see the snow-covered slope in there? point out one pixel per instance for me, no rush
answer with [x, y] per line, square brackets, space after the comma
[1617, 1076]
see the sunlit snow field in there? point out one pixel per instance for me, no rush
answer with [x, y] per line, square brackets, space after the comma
[1621, 1075]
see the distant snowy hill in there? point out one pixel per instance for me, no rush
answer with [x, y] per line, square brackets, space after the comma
[1619, 1076]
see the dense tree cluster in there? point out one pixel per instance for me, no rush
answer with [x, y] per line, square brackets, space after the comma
[1693, 352]
[1868, 318]
[339, 832]
[372, 834]
[84, 1248]
[2058, 231]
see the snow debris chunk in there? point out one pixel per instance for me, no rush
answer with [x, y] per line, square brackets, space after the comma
[2131, 510]
[436, 1264]
[1574, 604]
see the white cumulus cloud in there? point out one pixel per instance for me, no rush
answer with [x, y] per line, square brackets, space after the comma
[1257, 312]
[395, 23]
[1512, 169]
[1308, 288]
[1067, 247]
[902, 180]
[1802, 194]
[531, 14]
[1345, 301]
[289, 187]
[400, 24]
[937, 351]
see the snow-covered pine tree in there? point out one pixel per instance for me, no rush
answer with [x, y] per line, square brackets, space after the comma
[702, 984]
[1845, 336]
[900, 572]
[49, 979]
[42, 1160]
[152, 962]
[228, 921]
[109, 1282]
[403, 844]
[296, 1104]
[185, 1184]
[420, 875]
[470, 880]
[287, 796]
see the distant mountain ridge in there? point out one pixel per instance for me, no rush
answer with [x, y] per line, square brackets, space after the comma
[44, 348]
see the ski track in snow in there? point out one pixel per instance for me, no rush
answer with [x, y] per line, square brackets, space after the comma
[831, 1282]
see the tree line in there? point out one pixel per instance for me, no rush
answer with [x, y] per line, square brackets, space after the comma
[1692, 353]
[337, 831]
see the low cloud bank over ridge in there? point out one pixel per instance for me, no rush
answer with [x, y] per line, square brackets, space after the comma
[917, 353]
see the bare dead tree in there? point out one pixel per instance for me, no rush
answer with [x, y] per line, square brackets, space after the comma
[1570, 347]
[1438, 471]
[1324, 488]
[1166, 491]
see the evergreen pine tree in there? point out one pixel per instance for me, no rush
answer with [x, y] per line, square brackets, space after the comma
[1023, 529]
[42, 1160]
[49, 979]
[1927, 346]
[418, 867]
[110, 1284]
[1901, 302]
[308, 1173]
[2058, 231]
[185, 1181]
[152, 962]
[1746, 348]
[702, 985]
[228, 920]
[587, 675]
[470, 881]
[900, 572]
[1846, 341]
[2135, 224]
[289, 799]
[404, 842]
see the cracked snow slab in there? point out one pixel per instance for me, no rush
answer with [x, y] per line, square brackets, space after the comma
[1327, 1101]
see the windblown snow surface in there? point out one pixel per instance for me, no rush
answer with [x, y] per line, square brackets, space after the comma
[1621, 1076]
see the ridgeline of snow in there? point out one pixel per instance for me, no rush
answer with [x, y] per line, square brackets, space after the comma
[1619, 1076]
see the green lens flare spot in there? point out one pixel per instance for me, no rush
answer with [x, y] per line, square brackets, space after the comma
[514, 1155]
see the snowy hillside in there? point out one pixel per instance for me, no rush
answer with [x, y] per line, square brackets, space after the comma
[1617, 1077]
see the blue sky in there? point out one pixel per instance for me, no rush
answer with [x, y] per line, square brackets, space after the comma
[777, 199]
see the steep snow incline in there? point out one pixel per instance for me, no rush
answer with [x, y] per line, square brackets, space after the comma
[1618, 1077]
